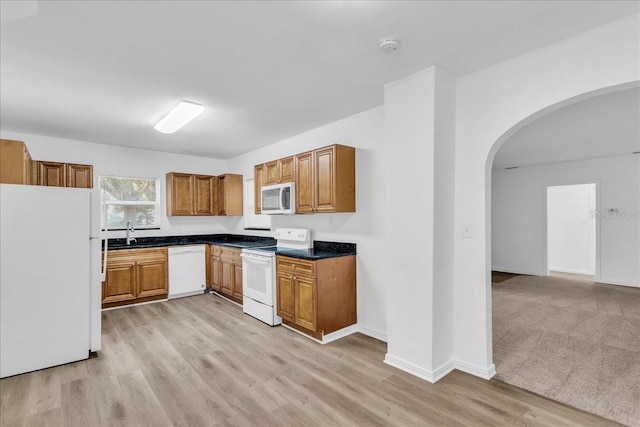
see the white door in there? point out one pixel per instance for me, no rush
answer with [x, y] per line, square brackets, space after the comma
[571, 224]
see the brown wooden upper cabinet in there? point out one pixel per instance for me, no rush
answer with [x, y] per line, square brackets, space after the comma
[203, 195]
[326, 180]
[56, 174]
[79, 176]
[279, 171]
[190, 194]
[180, 194]
[16, 165]
[270, 173]
[205, 190]
[52, 174]
[230, 195]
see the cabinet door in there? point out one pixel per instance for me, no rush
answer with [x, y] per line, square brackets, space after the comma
[285, 295]
[258, 182]
[304, 182]
[271, 174]
[230, 194]
[120, 284]
[204, 195]
[237, 280]
[287, 169]
[227, 277]
[79, 176]
[216, 273]
[324, 173]
[52, 174]
[305, 302]
[180, 200]
[152, 278]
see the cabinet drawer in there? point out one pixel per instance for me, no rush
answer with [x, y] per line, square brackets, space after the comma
[231, 254]
[295, 265]
[137, 255]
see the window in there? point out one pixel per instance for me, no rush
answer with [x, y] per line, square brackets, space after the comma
[129, 199]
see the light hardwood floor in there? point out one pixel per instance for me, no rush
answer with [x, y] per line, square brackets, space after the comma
[200, 361]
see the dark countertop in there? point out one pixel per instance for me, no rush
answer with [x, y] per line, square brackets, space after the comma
[320, 250]
[232, 240]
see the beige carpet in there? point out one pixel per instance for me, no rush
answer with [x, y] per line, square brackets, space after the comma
[572, 340]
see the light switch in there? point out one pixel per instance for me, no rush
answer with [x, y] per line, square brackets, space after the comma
[467, 231]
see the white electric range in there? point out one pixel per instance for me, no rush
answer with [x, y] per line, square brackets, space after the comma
[259, 274]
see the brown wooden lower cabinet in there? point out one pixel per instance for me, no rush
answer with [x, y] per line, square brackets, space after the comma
[135, 275]
[316, 297]
[226, 272]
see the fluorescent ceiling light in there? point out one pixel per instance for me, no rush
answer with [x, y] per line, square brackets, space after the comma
[182, 114]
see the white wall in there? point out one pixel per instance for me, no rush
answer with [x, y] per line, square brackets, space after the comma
[366, 227]
[490, 105]
[519, 212]
[420, 123]
[410, 154]
[121, 161]
[571, 228]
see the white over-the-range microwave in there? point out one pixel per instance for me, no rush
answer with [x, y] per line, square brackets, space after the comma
[279, 199]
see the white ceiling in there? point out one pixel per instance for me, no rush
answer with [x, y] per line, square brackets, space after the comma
[107, 71]
[603, 126]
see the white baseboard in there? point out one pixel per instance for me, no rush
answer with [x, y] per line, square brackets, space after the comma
[443, 370]
[483, 372]
[571, 271]
[616, 283]
[133, 305]
[517, 271]
[418, 371]
[225, 298]
[374, 333]
[439, 373]
[333, 336]
[187, 294]
[340, 333]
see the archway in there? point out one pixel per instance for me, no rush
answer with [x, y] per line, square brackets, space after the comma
[537, 362]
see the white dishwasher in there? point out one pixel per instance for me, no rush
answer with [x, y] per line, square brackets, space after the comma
[187, 273]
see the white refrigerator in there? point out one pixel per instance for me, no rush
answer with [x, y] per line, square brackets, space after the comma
[50, 276]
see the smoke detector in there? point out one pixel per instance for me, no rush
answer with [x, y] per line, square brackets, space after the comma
[388, 44]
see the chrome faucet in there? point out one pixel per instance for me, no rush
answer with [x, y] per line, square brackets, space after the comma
[130, 231]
